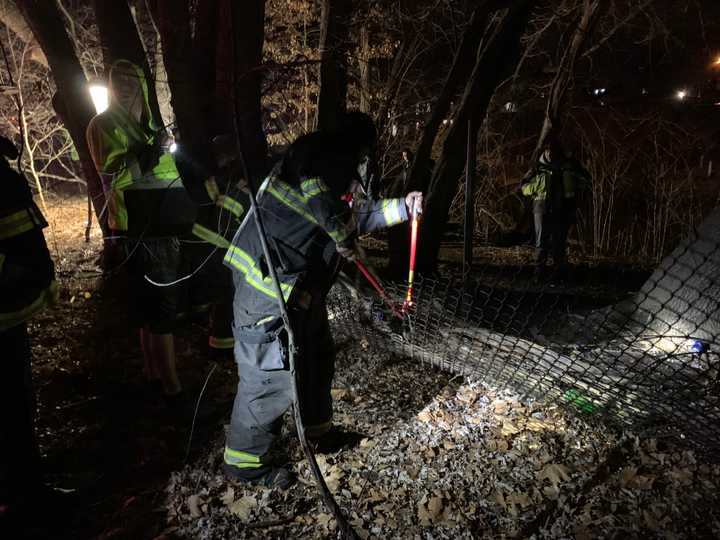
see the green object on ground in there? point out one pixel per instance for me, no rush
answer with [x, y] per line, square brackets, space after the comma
[580, 401]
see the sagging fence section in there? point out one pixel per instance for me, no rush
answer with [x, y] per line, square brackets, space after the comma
[650, 362]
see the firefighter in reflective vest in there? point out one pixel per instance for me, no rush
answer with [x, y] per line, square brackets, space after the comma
[148, 208]
[27, 285]
[308, 226]
[216, 226]
[553, 187]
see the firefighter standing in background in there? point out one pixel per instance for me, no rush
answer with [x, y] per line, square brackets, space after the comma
[308, 225]
[27, 285]
[148, 208]
[553, 187]
[218, 219]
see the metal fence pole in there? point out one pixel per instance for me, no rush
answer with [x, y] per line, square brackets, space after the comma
[469, 226]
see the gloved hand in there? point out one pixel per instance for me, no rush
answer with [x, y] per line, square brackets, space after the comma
[414, 202]
[351, 252]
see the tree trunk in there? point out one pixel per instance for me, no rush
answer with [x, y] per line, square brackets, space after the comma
[459, 72]
[494, 61]
[563, 78]
[421, 167]
[43, 17]
[334, 43]
[189, 81]
[121, 41]
[11, 17]
[364, 69]
[249, 28]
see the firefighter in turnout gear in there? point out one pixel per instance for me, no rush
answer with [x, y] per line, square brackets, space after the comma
[309, 225]
[553, 187]
[27, 286]
[148, 208]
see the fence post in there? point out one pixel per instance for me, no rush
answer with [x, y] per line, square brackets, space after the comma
[469, 196]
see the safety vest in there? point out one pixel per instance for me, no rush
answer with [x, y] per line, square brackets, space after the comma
[116, 141]
[564, 178]
[27, 283]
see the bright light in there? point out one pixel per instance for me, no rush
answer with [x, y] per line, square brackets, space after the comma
[717, 61]
[99, 96]
[173, 147]
[682, 94]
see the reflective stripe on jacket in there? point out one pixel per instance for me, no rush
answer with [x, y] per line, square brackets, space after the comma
[303, 226]
[218, 228]
[27, 283]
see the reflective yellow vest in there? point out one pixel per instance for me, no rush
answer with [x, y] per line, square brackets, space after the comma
[116, 139]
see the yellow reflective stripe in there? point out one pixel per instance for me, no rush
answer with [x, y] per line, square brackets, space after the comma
[391, 211]
[212, 188]
[291, 201]
[210, 236]
[231, 205]
[16, 223]
[221, 343]
[241, 460]
[47, 297]
[253, 277]
[313, 186]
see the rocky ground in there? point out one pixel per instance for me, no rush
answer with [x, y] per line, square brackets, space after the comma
[438, 457]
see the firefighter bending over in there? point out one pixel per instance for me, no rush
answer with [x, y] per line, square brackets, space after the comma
[308, 225]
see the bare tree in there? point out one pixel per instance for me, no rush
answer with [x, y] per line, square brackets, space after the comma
[496, 59]
[43, 17]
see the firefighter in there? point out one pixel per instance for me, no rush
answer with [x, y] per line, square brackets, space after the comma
[27, 285]
[553, 187]
[148, 208]
[309, 226]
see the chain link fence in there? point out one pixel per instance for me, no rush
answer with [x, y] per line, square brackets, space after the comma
[651, 362]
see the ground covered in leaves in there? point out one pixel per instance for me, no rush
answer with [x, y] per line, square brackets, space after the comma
[439, 457]
[454, 459]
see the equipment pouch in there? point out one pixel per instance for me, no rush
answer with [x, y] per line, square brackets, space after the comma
[261, 346]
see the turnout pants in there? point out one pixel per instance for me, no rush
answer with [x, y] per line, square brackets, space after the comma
[19, 456]
[265, 388]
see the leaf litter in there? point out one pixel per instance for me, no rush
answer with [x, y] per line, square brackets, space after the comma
[451, 458]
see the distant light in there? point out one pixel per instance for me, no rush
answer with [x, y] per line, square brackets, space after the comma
[644, 91]
[682, 94]
[99, 96]
[510, 107]
[445, 122]
[173, 147]
[599, 91]
[717, 61]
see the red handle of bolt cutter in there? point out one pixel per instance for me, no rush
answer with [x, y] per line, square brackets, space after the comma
[413, 252]
[379, 288]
